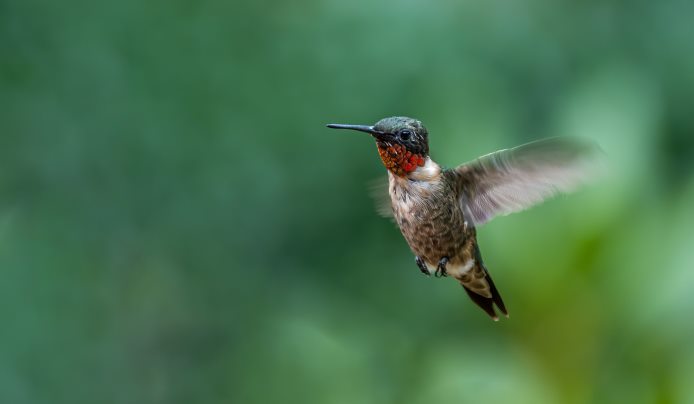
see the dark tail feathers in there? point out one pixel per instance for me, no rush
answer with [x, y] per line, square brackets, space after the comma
[486, 303]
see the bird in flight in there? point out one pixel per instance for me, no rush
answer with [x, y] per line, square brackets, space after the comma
[438, 210]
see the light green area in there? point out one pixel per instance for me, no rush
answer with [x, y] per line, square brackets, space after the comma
[177, 225]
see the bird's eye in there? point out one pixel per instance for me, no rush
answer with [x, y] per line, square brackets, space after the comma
[405, 134]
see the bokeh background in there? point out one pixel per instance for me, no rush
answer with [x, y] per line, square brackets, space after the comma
[177, 225]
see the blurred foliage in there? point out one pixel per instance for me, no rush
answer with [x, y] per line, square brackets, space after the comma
[177, 225]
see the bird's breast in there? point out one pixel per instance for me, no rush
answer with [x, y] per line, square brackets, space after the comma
[429, 218]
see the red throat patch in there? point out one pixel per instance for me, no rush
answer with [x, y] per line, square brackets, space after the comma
[399, 161]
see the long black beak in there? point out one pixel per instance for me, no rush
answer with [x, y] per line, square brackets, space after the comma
[360, 128]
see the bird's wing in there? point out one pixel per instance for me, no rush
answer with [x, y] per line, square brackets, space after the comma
[512, 180]
[378, 189]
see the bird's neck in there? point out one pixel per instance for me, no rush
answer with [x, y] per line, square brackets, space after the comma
[427, 172]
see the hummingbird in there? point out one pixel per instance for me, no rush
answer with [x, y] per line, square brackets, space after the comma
[438, 210]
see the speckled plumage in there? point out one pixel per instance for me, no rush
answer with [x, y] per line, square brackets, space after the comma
[438, 210]
[434, 225]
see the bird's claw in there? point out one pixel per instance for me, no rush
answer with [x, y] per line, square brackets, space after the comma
[422, 266]
[441, 268]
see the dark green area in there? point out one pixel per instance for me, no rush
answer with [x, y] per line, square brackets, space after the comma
[177, 225]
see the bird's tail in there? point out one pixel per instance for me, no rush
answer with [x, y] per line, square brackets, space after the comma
[479, 286]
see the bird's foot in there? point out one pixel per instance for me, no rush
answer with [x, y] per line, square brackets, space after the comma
[422, 266]
[441, 268]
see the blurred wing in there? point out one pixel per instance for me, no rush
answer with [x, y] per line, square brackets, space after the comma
[512, 180]
[378, 189]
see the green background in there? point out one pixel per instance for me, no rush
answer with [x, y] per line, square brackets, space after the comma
[178, 226]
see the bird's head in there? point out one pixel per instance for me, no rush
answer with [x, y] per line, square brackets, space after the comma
[403, 143]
